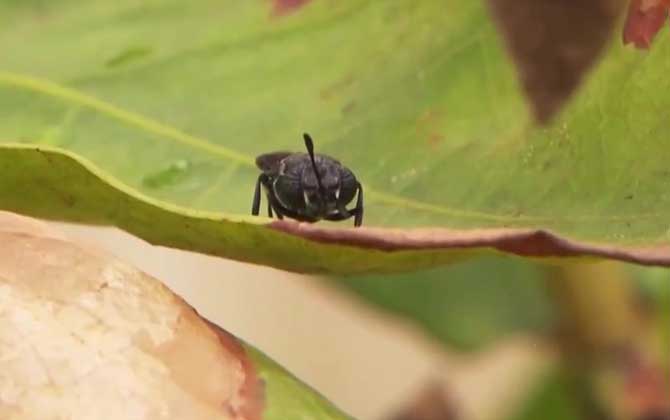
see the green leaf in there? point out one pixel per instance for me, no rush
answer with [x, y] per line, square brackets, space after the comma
[287, 397]
[554, 399]
[467, 305]
[149, 117]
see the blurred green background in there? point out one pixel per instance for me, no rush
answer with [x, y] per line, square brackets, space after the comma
[422, 101]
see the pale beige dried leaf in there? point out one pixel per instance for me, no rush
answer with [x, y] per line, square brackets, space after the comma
[84, 336]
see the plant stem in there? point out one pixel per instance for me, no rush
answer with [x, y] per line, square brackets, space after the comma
[597, 308]
[598, 325]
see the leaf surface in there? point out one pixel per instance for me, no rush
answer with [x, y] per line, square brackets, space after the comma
[149, 117]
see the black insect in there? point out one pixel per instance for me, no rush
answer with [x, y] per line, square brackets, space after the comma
[307, 187]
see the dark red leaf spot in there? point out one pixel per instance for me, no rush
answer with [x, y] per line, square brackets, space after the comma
[428, 126]
[435, 139]
[348, 107]
[645, 18]
[283, 7]
[337, 87]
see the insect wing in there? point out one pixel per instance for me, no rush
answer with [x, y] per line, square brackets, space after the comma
[269, 162]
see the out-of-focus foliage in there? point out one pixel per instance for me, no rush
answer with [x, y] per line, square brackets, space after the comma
[420, 99]
[466, 305]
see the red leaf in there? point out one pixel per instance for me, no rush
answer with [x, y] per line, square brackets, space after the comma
[644, 20]
[646, 389]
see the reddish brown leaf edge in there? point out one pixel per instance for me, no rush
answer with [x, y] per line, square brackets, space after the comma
[252, 392]
[106, 202]
[532, 243]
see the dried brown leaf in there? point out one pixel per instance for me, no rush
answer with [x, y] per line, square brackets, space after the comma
[85, 336]
[554, 43]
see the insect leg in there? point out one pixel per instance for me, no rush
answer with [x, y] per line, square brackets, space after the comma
[344, 214]
[358, 220]
[256, 204]
[273, 204]
[280, 215]
[285, 212]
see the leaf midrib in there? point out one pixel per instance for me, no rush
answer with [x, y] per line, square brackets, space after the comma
[67, 94]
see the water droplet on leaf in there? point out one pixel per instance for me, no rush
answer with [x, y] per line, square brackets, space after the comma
[173, 174]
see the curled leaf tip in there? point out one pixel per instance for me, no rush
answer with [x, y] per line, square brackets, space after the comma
[645, 18]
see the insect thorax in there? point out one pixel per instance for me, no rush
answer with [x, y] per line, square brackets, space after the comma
[296, 188]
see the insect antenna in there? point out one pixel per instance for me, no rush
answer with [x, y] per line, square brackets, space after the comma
[310, 149]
